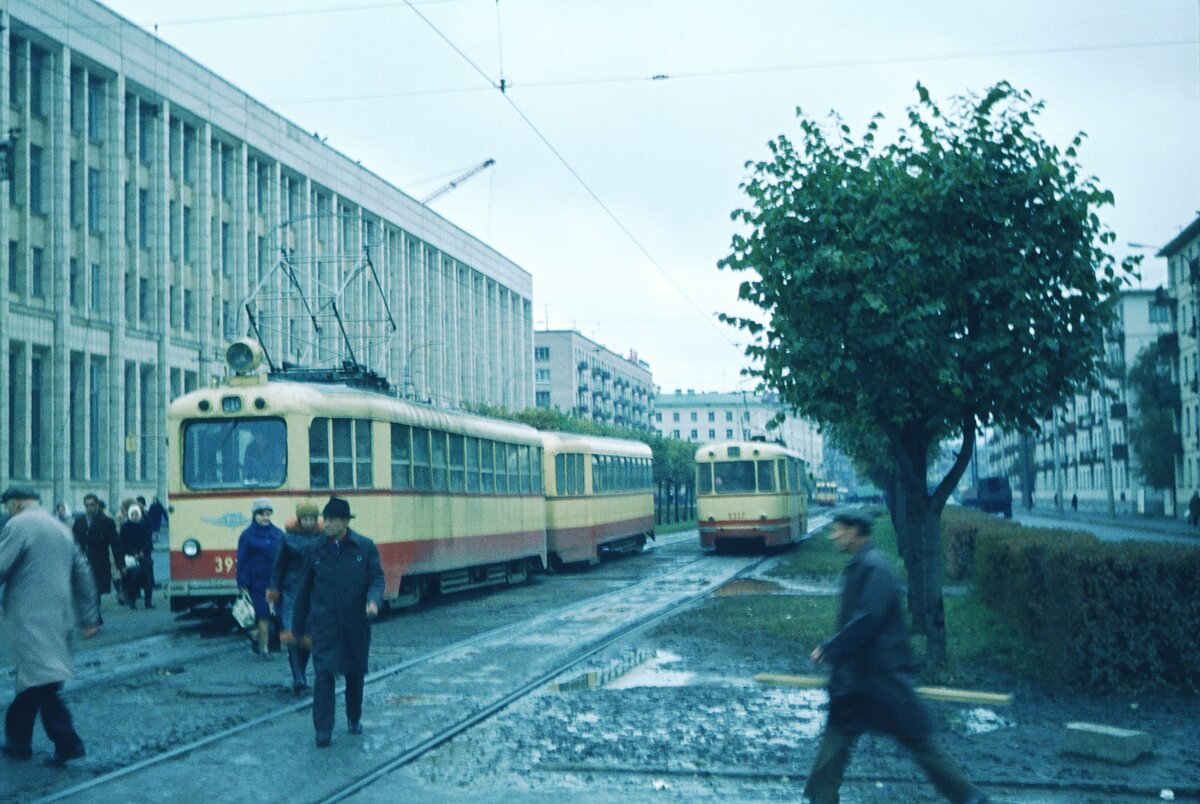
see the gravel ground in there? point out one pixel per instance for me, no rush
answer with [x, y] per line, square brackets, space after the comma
[691, 724]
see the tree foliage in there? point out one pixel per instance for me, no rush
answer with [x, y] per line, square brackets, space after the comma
[952, 277]
[1152, 435]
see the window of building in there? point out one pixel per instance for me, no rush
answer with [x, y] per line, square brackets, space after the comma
[729, 433]
[173, 228]
[729, 415]
[1159, 313]
[658, 418]
[541, 353]
[694, 435]
[15, 71]
[36, 272]
[675, 416]
[189, 154]
[74, 283]
[712, 415]
[95, 406]
[693, 416]
[93, 199]
[675, 433]
[38, 469]
[712, 434]
[146, 134]
[226, 263]
[143, 300]
[542, 399]
[189, 234]
[94, 287]
[37, 81]
[95, 108]
[745, 415]
[143, 218]
[35, 179]
[189, 310]
[14, 266]
[542, 375]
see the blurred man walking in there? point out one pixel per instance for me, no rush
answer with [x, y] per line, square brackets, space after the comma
[48, 588]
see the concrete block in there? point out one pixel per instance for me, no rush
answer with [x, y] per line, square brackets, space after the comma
[1108, 743]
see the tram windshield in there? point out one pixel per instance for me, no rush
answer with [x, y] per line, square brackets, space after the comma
[733, 477]
[242, 453]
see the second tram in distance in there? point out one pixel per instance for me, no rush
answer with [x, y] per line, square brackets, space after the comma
[750, 494]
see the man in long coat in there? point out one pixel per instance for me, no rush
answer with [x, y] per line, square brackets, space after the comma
[96, 535]
[48, 588]
[341, 590]
[871, 688]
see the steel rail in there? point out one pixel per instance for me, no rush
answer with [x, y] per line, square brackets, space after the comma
[504, 701]
[371, 678]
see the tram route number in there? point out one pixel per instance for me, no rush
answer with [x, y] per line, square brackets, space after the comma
[224, 564]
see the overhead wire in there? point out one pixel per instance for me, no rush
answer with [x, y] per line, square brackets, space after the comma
[579, 178]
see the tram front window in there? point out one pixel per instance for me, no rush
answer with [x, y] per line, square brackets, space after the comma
[733, 477]
[243, 453]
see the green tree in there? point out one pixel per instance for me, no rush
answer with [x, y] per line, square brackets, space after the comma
[953, 277]
[1152, 435]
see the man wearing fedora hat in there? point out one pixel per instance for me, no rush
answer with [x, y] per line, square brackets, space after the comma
[341, 590]
[49, 588]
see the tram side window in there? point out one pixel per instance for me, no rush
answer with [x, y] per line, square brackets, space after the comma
[766, 475]
[318, 453]
[235, 454]
[733, 477]
[351, 442]
[579, 487]
[704, 481]
[523, 463]
[472, 459]
[458, 462]
[599, 477]
[422, 479]
[364, 477]
[514, 471]
[401, 457]
[439, 460]
[501, 468]
[560, 474]
[486, 472]
[537, 470]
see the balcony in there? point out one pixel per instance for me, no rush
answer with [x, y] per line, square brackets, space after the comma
[1169, 344]
[1120, 452]
[582, 365]
[1120, 410]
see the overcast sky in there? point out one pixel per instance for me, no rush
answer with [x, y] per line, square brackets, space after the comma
[655, 106]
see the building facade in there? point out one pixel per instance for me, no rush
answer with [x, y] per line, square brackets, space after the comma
[1082, 451]
[583, 379]
[144, 209]
[705, 417]
[1183, 286]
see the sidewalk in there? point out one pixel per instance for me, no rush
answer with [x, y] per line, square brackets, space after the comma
[1124, 526]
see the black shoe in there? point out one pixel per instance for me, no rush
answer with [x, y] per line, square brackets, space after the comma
[21, 752]
[355, 727]
[61, 758]
[323, 741]
[149, 605]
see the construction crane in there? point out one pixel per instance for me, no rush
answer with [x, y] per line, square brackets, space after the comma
[445, 188]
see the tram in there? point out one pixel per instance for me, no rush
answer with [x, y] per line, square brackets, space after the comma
[599, 496]
[453, 501]
[750, 494]
[826, 493]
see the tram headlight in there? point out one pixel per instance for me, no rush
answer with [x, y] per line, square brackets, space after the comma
[191, 548]
[243, 356]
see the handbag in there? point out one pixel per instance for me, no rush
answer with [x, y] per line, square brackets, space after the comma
[243, 611]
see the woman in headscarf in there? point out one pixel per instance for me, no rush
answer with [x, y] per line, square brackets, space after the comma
[256, 552]
[285, 581]
[137, 546]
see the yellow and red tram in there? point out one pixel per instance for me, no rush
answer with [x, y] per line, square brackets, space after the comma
[599, 496]
[750, 494]
[452, 500]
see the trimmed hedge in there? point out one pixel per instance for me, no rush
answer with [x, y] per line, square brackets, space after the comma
[1104, 616]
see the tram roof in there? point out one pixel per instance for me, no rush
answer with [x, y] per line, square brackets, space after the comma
[598, 445]
[748, 449]
[289, 398]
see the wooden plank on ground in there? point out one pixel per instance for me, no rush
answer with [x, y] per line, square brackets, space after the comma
[933, 693]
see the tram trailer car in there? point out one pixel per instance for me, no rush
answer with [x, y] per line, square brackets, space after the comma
[750, 494]
[453, 501]
[599, 496]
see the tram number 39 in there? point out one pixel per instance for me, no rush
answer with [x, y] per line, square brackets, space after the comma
[224, 564]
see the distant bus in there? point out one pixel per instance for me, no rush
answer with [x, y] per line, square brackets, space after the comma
[827, 493]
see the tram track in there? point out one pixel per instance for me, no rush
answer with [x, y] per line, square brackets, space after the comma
[592, 609]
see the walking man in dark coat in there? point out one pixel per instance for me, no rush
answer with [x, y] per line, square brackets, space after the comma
[47, 590]
[870, 688]
[96, 535]
[341, 590]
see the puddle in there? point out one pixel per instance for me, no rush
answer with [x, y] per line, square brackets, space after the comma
[980, 721]
[653, 674]
[748, 586]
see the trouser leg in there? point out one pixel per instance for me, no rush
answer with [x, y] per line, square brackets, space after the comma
[322, 708]
[943, 771]
[148, 566]
[56, 720]
[298, 660]
[354, 698]
[828, 768]
[18, 720]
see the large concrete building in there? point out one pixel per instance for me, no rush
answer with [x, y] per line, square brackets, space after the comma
[1082, 451]
[583, 379]
[706, 417]
[141, 213]
[1183, 286]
